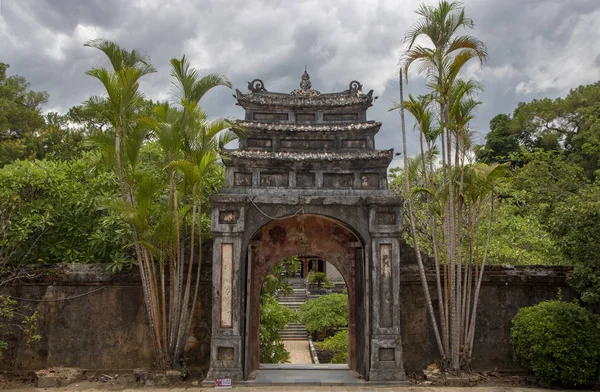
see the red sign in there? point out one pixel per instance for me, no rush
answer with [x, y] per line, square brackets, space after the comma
[224, 382]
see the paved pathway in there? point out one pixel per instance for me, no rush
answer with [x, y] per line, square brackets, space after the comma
[299, 351]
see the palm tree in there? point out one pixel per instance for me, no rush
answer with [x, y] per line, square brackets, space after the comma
[441, 60]
[168, 243]
[120, 103]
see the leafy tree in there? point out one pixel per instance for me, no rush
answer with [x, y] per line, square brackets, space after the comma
[520, 239]
[325, 314]
[27, 134]
[547, 215]
[570, 125]
[164, 200]
[500, 142]
[20, 108]
[20, 115]
[575, 224]
[276, 282]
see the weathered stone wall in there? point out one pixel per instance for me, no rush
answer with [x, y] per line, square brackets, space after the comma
[102, 326]
[108, 329]
[504, 291]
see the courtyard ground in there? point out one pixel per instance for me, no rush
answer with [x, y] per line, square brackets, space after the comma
[305, 388]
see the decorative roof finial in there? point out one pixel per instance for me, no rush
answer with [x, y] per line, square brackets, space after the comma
[305, 82]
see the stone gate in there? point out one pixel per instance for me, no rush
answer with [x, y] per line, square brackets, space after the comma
[307, 180]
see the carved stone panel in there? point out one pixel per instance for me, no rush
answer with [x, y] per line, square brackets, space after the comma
[226, 285]
[338, 180]
[225, 353]
[259, 142]
[304, 144]
[274, 180]
[345, 117]
[387, 354]
[385, 218]
[270, 117]
[228, 217]
[354, 143]
[369, 180]
[386, 286]
[242, 179]
[305, 180]
[306, 117]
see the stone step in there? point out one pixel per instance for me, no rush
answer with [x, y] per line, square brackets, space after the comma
[299, 336]
[294, 328]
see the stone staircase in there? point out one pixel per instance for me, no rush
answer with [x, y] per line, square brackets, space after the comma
[294, 331]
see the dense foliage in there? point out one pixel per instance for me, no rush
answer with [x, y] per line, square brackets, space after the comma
[338, 344]
[273, 317]
[55, 213]
[326, 314]
[548, 211]
[559, 342]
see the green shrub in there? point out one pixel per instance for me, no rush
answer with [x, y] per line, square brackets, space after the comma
[320, 278]
[325, 314]
[338, 344]
[273, 317]
[559, 342]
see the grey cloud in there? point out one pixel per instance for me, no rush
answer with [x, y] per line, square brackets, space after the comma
[529, 43]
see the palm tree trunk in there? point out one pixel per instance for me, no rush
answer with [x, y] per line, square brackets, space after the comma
[455, 365]
[413, 229]
[471, 336]
[181, 333]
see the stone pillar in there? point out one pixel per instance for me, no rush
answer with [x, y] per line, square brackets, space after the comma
[386, 344]
[226, 340]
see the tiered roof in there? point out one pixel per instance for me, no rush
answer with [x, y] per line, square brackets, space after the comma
[304, 97]
[307, 140]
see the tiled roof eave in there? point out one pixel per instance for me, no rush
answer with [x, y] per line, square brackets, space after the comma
[251, 126]
[249, 158]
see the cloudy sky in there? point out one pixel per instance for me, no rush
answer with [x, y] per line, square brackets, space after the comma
[537, 48]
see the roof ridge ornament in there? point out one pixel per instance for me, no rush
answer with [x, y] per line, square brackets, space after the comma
[305, 89]
[305, 83]
[256, 86]
[355, 86]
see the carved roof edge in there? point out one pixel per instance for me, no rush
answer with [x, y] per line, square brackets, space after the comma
[321, 127]
[312, 156]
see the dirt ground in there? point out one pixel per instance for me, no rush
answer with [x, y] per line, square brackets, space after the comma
[95, 381]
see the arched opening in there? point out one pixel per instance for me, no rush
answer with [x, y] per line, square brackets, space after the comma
[318, 237]
[303, 314]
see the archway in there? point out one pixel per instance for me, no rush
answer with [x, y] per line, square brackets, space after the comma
[301, 235]
[310, 157]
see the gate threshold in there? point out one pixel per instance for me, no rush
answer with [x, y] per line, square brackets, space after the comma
[304, 374]
[303, 366]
